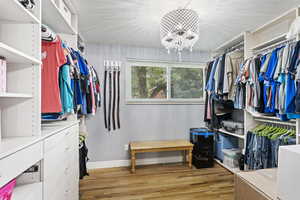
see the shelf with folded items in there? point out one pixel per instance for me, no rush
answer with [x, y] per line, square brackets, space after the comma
[13, 55]
[231, 134]
[53, 17]
[15, 12]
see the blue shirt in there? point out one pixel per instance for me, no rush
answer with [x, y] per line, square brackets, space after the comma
[211, 82]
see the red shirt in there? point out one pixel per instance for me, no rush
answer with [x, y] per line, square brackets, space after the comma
[53, 58]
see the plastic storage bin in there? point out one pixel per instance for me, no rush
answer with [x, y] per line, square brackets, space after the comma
[203, 151]
[7, 190]
[223, 141]
[231, 157]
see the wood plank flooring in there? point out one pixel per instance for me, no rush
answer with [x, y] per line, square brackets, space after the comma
[158, 182]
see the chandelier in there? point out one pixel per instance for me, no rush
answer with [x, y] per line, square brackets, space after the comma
[179, 30]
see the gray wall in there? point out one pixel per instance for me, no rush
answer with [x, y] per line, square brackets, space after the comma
[139, 122]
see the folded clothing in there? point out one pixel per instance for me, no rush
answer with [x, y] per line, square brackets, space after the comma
[28, 4]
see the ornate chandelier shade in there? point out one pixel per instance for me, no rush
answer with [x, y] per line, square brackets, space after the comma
[179, 30]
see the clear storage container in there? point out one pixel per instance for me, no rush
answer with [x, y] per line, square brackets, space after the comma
[231, 157]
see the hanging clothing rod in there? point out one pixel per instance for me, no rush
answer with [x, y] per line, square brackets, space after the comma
[274, 46]
[276, 122]
[239, 46]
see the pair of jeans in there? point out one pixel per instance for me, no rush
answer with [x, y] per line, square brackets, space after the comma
[262, 152]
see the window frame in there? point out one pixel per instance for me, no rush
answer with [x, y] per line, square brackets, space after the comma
[168, 66]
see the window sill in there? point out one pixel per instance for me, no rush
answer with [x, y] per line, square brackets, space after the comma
[164, 102]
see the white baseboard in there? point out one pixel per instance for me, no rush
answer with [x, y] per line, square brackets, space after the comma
[125, 163]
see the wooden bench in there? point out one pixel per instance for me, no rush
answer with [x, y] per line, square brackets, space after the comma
[159, 146]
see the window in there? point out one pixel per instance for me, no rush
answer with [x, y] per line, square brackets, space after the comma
[164, 83]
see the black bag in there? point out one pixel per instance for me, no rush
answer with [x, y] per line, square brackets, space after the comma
[221, 110]
[223, 107]
[83, 158]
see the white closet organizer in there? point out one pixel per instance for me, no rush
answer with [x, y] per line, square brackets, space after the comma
[24, 142]
[20, 146]
[60, 17]
[266, 37]
[237, 41]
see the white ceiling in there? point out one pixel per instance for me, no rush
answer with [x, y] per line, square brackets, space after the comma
[136, 22]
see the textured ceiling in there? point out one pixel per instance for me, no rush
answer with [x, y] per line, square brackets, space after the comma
[136, 22]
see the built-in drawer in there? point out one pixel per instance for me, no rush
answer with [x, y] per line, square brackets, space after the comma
[60, 163]
[54, 141]
[15, 164]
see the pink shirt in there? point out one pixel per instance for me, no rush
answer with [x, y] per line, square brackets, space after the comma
[53, 58]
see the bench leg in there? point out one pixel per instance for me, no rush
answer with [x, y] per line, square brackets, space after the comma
[184, 157]
[133, 162]
[190, 158]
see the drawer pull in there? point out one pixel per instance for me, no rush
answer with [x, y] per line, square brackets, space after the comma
[66, 170]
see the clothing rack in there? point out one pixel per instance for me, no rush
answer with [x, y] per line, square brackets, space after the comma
[291, 124]
[273, 46]
[281, 125]
[237, 47]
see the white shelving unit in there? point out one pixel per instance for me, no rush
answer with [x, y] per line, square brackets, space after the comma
[54, 18]
[231, 134]
[269, 36]
[15, 12]
[20, 123]
[23, 59]
[265, 37]
[240, 41]
[270, 42]
[15, 56]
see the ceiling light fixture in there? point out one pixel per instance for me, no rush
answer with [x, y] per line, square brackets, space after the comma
[179, 30]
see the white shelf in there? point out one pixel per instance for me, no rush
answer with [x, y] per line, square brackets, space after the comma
[28, 192]
[15, 12]
[270, 119]
[232, 134]
[232, 170]
[289, 14]
[53, 17]
[11, 145]
[270, 43]
[15, 56]
[14, 95]
[276, 122]
[234, 41]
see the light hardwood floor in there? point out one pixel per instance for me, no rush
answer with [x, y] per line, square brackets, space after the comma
[158, 182]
